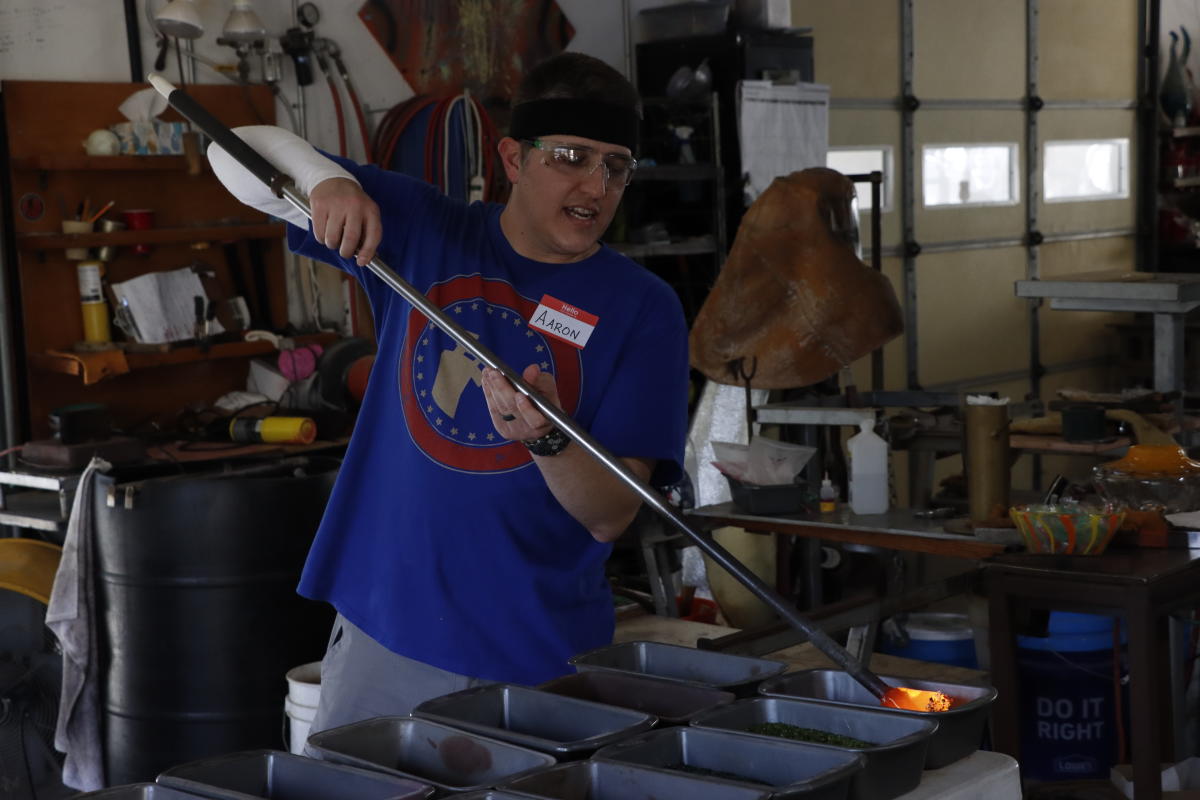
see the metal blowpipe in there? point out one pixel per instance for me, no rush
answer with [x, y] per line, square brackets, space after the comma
[283, 186]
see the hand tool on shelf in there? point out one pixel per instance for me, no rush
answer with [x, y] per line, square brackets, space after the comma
[283, 186]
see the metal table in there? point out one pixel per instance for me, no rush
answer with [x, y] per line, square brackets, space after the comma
[1142, 585]
[896, 529]
[1168, 296]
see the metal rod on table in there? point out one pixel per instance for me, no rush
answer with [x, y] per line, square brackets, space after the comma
[283, 186]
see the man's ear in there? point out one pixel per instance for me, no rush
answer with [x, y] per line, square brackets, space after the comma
[510, 157]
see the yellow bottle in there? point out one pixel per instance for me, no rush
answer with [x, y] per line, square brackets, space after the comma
[828, 496]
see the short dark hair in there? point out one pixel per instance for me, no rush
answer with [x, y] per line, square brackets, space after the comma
[576, 76]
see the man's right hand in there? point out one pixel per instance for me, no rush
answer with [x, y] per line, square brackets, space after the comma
[346, 219]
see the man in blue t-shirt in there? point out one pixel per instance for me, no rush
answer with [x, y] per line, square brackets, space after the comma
[466, 537]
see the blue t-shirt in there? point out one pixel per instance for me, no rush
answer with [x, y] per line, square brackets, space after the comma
[441, 540]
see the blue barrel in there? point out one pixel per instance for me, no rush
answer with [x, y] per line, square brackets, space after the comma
[940, 637]
[1068, 713]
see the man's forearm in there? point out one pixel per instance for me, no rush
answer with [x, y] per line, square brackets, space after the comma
[590, 493]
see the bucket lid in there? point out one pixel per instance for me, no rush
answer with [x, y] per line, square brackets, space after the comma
[1074, 633]
[928, 626]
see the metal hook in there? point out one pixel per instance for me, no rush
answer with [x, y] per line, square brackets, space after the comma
[737, 366]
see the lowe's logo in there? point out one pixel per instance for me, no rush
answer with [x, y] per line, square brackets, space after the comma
[1075, 765]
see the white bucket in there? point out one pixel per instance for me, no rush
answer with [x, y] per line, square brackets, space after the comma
[304, 684]
[304, 693]
[299, 722]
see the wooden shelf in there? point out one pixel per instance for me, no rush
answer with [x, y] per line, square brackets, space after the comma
[82, 161]
[1186, 183]
[1183, 133]
[59, 241]
[95, 366]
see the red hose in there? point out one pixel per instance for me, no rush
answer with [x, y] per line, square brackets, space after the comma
[362, 119]
[337, 110]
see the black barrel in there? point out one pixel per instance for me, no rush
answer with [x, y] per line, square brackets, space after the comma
[198, 612]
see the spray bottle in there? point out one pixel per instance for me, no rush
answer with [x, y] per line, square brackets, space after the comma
[868, 471]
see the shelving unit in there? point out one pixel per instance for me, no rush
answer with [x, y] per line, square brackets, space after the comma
[1173, 251]
[206, 233]
[196, 222]
[681, 198]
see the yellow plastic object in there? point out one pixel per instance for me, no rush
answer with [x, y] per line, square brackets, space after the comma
[1051, 529]
[1153, 461]
[28, 566]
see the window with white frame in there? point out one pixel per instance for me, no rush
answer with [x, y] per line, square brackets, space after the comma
[958, 175]
[862, 160]
[1085, 169]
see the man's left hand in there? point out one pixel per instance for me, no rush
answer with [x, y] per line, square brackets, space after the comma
[514, 415]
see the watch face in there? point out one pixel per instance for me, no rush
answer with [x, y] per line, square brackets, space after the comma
[309, 14]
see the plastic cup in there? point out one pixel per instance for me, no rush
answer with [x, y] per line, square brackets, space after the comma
[139, 219]
[76, 226]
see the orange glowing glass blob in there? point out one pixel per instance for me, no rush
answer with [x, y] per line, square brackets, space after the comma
[916, 699]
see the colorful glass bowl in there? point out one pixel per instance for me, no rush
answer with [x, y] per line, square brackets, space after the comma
[1066, 530]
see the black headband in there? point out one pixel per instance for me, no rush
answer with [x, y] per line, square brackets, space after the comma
[590, 119]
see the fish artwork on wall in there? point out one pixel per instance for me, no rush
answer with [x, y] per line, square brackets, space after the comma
[442, 47]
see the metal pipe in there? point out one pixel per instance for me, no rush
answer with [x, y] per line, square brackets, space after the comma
[283, 186]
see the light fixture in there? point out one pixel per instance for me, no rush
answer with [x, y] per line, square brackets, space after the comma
[179, 19]
[243, 25]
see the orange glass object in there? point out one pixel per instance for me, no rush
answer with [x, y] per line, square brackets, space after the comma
[916, 700]
[1148, 460]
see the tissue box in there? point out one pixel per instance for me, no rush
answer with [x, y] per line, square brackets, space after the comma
[1180, 781]
[149, 138]
[783, 498]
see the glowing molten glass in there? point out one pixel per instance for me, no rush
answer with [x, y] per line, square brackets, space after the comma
[916, 699]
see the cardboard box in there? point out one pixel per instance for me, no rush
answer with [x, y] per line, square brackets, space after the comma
[1180, 781]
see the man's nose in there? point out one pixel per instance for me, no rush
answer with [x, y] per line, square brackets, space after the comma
[592, 182]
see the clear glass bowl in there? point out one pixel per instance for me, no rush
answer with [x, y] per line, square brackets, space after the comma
[1150, 478]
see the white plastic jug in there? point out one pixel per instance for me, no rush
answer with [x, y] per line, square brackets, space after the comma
[868, 471]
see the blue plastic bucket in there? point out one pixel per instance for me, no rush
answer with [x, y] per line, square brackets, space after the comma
[1068, 717]
[943, 638]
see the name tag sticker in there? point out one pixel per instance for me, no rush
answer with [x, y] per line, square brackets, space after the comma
[563, 321]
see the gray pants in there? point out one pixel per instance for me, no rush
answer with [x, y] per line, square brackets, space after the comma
[361, 678]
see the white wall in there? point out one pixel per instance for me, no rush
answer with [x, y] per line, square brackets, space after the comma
[84, 40]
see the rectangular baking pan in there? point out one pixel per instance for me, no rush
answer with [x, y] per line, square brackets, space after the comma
[960, 730]
[564, 727]
[894, 762]
[737, 674]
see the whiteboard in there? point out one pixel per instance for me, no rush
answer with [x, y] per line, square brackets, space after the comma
[63, 40]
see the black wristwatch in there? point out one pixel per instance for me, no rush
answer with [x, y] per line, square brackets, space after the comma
[551, 444]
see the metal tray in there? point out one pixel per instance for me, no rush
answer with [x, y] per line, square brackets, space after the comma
[450, 759]
[493, 794]
[893, 765]
[283, 776]
[960, 730]
[672, 702]
[562, 726]
[608, 780]
[790, 769]
[738, 674]
[136, 791]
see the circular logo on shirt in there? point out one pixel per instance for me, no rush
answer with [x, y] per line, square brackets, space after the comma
[440, 382]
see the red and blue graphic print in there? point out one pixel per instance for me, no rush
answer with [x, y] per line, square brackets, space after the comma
[440, 382]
